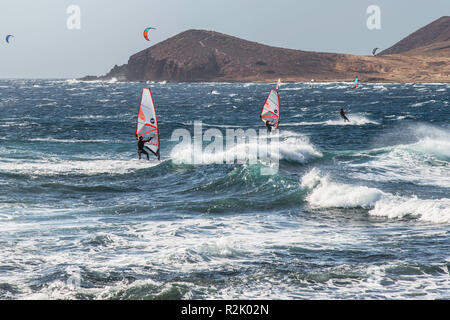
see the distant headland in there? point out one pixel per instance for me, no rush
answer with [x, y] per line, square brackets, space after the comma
[199, 55]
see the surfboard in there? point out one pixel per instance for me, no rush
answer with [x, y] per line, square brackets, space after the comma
[147, 123]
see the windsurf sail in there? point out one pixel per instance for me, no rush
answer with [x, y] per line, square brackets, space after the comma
[278, 84]
[356, 83]
[271, 109]
[147, 124]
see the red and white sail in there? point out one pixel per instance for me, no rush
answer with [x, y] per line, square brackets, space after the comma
[147, 123]
[271, 109]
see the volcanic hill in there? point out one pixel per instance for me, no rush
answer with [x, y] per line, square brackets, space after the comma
[199, 55]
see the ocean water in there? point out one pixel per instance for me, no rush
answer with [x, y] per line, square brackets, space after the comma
[357, 210]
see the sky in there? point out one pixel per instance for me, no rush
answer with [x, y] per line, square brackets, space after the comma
[45, 46]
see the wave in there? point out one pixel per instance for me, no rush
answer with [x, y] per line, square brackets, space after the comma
[325, 193]
[68, 140]
[191, 123]
[290, 146]
[328, 194]
[380, 87]
[395, 207]
[64, 167]
[296, 147]
[426, 161]
[46, 104]
[355, 120]
[72, 81]
[291, 89]
[339, 87]
[77, 81]
[99, 116]
[18, 123]
[420, 104]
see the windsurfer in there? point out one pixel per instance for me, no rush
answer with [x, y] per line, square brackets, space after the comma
[141, 150]
[269, 125]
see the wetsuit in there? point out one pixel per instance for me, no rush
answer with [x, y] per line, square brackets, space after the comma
[344, 116]
[269, 126]
[141, 148]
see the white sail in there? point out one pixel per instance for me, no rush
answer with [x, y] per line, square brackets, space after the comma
[271, 109]
[147, 123]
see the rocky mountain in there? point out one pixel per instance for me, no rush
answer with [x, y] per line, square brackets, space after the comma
[430, 40]
[199, 55]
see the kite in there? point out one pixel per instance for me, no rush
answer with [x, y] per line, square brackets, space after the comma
[146, 31]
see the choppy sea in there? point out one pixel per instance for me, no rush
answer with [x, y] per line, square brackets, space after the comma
[357, 210]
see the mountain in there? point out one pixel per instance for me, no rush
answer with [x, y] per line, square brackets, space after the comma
[431, 39]
[200, 55]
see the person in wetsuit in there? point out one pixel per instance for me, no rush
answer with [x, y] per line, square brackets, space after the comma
[269, 126]
[141, 150]
[343, 115]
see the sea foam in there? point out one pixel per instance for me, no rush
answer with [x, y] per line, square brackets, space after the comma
[325, 193]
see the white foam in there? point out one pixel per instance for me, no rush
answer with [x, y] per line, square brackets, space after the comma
[355, 120]
[328, 194]
[291, 89]
[380, 87]
[291, 146]
[440, 148]
[191, 246]
[420, 104]
[72, 81]
[325, 193]
[18, 124]
[86, 167]
[298, 149]
[68, 140]
[338, 87]
[394, 207]
[46, 104]
[425, 162]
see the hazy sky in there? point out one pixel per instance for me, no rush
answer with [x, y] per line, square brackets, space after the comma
[111, 30]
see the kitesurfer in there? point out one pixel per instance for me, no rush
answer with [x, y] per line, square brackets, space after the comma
[343, 115]
[141, 150]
